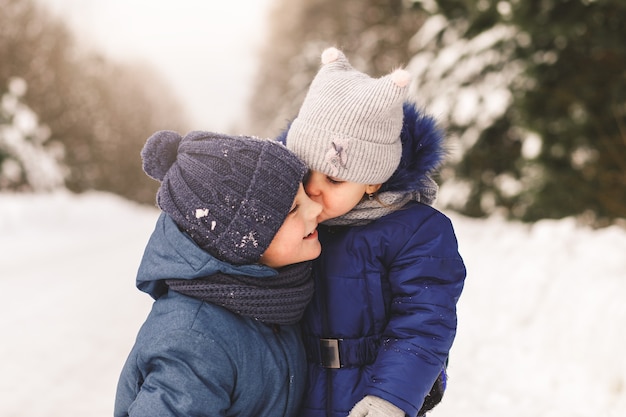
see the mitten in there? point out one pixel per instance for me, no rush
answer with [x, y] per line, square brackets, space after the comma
[372, 406]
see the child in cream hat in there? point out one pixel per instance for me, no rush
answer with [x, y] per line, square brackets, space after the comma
[383, 317]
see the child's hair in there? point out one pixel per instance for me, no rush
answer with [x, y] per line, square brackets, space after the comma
[349, 124]
[230, 194]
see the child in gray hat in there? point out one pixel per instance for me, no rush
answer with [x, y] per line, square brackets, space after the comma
[383, 318]
[229, 267]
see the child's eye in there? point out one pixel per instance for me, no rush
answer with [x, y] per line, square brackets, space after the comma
[294, 209]
[333, 180]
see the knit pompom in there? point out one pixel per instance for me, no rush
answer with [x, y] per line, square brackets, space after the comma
[401, 77]
[159, 153]
[330, 55]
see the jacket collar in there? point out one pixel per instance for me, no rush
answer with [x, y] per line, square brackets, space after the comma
[172, 254]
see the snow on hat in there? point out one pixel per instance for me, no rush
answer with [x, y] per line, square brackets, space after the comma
[230, 194]
[349, 124]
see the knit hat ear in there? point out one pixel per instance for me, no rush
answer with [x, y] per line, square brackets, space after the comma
[349, 124]
[230, 194]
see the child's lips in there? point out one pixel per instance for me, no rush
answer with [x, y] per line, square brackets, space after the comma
[312, 235]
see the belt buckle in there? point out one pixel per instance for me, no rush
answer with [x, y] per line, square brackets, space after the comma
[329, 349]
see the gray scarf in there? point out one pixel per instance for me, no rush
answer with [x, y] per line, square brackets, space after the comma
[280, 299]
[386, 202]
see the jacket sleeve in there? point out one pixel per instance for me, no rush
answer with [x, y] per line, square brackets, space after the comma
[426, 276]
[185, 374]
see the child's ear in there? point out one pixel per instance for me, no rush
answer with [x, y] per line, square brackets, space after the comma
[372, 188]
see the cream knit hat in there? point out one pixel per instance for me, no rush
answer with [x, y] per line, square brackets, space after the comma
[349, 124]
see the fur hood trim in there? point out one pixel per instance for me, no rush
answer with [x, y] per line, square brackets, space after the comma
[422, 151]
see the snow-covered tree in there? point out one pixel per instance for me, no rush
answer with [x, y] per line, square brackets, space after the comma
[531, 92]
[467, 79]
[28, 161]
[102, 111]
[535, 94]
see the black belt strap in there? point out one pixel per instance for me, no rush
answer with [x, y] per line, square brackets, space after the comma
[342, 353]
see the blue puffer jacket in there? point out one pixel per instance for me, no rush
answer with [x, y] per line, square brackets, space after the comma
[193, 358]
[386, 295]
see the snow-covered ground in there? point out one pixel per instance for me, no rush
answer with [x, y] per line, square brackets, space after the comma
[542, 320]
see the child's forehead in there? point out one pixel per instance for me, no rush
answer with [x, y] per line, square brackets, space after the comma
[328, 175]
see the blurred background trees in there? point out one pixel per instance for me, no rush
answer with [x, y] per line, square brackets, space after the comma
[555, 144]
[92, 113]
[375, 34]
[532, 94]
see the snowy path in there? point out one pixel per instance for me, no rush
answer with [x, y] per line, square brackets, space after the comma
[542, 320]
[71, 310]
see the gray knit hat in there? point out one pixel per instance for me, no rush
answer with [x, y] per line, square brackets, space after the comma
[230, 194]
[349, 124]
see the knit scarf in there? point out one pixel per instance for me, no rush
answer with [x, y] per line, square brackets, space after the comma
[386, 202]
[280, 299]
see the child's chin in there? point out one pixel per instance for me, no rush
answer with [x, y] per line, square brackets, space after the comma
[317, 252]
[313, 252]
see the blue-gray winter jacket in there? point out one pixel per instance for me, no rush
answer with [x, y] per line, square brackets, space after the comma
[384, 309]
[193, 358]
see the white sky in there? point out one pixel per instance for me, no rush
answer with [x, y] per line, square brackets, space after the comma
[541, 318]
[206, 49]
